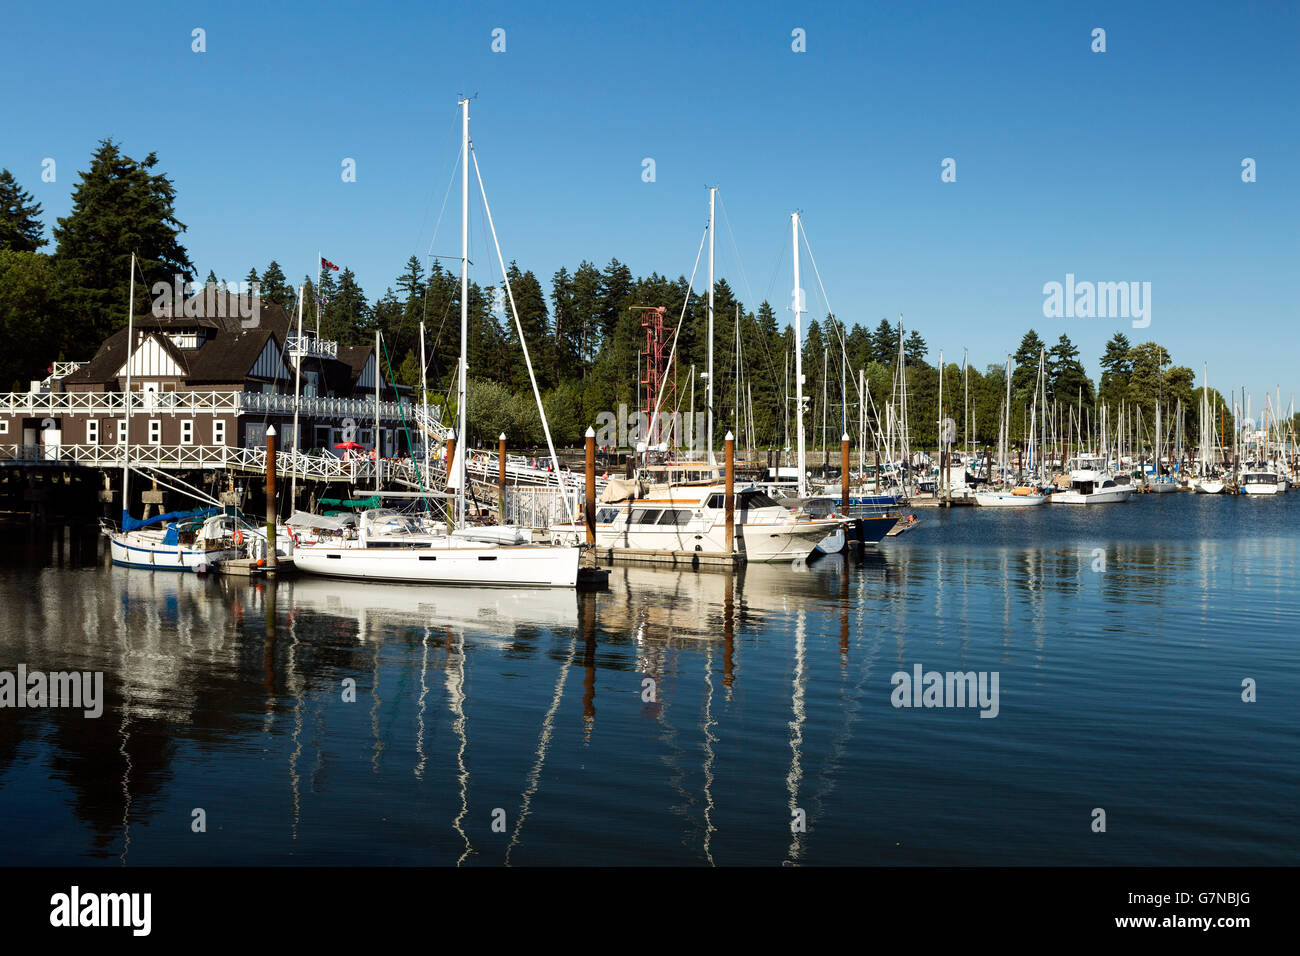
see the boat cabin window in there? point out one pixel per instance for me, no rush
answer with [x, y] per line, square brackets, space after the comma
[606, 515]
[645, 515]
[716, 501]
[675, 516]
[756, 499]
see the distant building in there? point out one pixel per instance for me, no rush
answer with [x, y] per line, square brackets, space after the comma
[206, 381]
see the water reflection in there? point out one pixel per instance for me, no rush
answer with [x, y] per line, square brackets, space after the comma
[770, 704]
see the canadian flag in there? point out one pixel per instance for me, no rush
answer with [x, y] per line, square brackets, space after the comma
[326, 264]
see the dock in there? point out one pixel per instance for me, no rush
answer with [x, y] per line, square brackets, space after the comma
[671, 559]
[250, 568]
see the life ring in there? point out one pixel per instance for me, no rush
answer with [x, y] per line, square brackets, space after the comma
[239, 536]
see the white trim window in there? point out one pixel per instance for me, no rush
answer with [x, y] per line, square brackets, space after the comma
[187, 431]
[4, 426]
[218, 431]
[121, 431]
[155, 431]
[92, 431]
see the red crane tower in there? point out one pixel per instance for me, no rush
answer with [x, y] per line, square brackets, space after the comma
[654, 370]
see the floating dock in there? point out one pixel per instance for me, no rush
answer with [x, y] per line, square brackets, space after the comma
[249, 568]
[671, 559]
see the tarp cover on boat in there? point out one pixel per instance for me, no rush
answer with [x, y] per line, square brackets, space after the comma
[620, 489]
[304, 519]
[371, 502]
[131, 524]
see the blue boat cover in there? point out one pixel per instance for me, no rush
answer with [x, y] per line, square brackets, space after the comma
[131, 524]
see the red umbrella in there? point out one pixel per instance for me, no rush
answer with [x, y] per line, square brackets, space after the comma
[350, 446]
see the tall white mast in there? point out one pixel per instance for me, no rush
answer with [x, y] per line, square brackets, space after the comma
[712, 195]
[378, 379]
[424, 404]
[462, 430]
[797, 305]
[126, 405]
[297, 392]
[940, 431]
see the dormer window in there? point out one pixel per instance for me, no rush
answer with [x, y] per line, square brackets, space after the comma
[189, 339]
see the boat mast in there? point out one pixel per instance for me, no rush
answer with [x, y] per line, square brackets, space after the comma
[424, 406]
[712, 195]
[461, 431]
[126, 420]
[797, 304]
[297, 392]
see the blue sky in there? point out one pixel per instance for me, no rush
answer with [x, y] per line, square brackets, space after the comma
[1115, 166]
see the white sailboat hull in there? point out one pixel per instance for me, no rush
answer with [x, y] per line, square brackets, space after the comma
[132, 549]
[1006, 499]
[459, 564]
[1209, 486]
[1103, 496]
[758, 542]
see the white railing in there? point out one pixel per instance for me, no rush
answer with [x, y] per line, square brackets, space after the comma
[311, 347]
[481, 468]
[539, 507]
[64, 369]
[209, 402]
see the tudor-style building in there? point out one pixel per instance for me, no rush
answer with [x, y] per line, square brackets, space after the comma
[211, 380]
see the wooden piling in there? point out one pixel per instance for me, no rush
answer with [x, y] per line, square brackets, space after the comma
[730, 499]
[589, 505]
[270, 502]
[501, 478]
[844, 472]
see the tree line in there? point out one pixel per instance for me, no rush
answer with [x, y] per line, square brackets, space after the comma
[584, 337]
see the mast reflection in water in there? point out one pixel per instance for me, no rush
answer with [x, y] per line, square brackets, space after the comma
[681, 717]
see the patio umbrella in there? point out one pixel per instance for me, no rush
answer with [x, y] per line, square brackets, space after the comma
[350, 446]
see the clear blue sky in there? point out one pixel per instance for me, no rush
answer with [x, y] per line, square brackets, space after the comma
[1115, 166]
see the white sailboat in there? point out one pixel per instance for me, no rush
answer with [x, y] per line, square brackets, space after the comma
[388, 546]
[1207, 483]
[176, 541]
[1008, 497]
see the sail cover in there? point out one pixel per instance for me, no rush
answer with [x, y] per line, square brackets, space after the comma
[132, 524]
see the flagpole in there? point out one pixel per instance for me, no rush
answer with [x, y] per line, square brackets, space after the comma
[320, 258]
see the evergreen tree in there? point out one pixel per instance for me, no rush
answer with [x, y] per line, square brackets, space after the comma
[120, 206]
[884, 343]
[1116, 366]
[29, 319]
[530, 301]
[915, 349]
[276, 290]
[1024, 369]
[1066, 378]
[347, 317]
[20, 224]
[565, 354]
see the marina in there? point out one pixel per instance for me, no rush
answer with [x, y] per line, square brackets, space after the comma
[618, 442]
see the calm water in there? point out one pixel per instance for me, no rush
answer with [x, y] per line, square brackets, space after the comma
[1119, 689]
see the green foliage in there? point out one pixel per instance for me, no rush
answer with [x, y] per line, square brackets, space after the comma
[28, 317]
[20, 222]
[120, 206]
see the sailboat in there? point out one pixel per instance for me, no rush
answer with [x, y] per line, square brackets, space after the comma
[1009, 497]
[174, 541]
[1159, 483]
[388, 546]
[686, 519]
[1207, 483]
